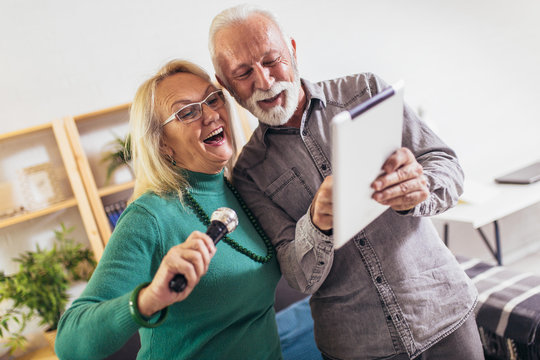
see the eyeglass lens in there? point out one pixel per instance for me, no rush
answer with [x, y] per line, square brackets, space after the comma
[193, 111]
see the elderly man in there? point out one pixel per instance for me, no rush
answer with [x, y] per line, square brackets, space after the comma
[394, 291]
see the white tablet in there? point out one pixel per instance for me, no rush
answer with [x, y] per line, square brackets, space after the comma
[362, 139]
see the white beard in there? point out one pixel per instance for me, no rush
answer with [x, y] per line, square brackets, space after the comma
[278, 115]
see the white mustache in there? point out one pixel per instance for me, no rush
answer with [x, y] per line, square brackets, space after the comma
[276, 89]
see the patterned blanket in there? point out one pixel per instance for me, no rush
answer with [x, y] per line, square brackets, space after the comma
[508, 311]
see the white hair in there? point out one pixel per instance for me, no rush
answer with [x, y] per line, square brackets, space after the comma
[236, 15]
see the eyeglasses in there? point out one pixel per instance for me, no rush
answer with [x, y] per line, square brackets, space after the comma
[193, 112]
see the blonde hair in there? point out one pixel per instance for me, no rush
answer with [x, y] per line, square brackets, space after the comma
[153, 172]
[237, 15]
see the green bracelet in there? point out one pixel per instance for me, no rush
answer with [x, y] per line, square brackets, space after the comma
[136, 315]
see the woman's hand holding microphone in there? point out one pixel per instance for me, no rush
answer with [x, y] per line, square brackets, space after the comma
[191, 258]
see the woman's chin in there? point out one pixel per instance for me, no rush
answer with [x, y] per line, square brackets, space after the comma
[222, 151]
[219, 161]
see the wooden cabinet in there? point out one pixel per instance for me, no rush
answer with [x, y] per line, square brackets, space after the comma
[48, 144]
[90, 136]
[73, 146]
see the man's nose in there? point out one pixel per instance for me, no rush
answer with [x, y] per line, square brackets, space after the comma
[263, 79]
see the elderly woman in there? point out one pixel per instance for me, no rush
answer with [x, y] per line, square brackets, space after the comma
[182, 142]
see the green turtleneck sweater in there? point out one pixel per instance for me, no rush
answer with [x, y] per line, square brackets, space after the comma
[229, 314]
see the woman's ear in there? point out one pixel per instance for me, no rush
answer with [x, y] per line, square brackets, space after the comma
[165, 149]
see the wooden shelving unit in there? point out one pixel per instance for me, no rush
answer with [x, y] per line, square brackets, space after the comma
[23, 132]
[113, 189]
[79, 198]
[70, 163]
[87, 195]
[29, 215]
[94, 192]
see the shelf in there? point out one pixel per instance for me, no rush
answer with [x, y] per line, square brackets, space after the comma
[10, 135]
[37, 213]
[113, 189]
[98, 113]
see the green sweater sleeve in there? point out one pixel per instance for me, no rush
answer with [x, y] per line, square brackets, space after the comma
[99, 322]
[79, 338]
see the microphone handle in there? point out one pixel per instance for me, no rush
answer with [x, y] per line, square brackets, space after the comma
[217, 230]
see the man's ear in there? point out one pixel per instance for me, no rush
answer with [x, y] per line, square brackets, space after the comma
[293, 43]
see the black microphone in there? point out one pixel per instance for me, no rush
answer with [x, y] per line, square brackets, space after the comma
[223, 221]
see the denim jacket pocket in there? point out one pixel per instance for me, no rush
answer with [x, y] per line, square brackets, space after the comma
[291, 193]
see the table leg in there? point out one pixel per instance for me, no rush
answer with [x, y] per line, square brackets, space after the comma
[497, 253]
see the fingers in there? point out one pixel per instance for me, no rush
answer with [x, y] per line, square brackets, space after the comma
[399, 158]
[321, 206]
[191, 259]
[403, 185]
[400, 166]
[405, 195]
[189, 263]
[405, 173]
[199, 246]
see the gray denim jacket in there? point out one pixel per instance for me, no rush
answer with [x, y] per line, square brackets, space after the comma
[394, 287]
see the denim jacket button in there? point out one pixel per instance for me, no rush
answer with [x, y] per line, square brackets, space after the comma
[379, 279]
[362, 242]
[323, 166]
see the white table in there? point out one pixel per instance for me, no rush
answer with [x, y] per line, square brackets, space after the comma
[485, 203]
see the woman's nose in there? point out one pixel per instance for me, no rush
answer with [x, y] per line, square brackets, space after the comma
[209, 115]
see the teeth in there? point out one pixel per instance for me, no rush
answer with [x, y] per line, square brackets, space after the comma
[214, 133]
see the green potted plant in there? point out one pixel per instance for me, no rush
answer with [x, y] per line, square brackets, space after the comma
[118, 155]
[40, 286]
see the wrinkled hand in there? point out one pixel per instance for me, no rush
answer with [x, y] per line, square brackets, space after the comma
[403, 184]
[191, 258]
[321, 206]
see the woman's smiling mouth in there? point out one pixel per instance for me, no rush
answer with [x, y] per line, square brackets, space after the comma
[216, 137]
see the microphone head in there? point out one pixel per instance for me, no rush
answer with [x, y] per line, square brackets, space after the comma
[227, 217]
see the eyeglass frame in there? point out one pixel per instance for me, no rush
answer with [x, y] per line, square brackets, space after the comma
[200, 103]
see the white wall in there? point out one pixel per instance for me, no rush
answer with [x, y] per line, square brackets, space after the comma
[472, 66]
